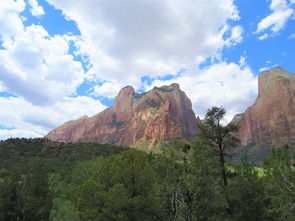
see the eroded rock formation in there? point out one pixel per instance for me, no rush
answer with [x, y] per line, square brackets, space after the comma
[163, 113]
[271, 119]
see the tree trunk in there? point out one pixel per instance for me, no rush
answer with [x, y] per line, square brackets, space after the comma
[224, 176]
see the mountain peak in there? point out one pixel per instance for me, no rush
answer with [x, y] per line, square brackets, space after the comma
[270, 120]
[276, 72]
[128, 90]
[173, 86]
[160, 114]
[125, 97]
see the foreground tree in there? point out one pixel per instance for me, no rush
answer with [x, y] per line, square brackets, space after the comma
[280, 183]
[25, 195]
[202, 184]
[117, 188]
[218, 135]
[247, 193]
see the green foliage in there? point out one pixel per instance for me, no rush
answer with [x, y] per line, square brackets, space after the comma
[280, 183]
[177, 150]
[117, 188]
[20, 151]
[27, 167]
[62, 207]
[26, 194]
[203, 183]
[214, 134]
[43, 180]
[246, 192]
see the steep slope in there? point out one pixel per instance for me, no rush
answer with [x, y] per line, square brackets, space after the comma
[163, 113]
[271, 119]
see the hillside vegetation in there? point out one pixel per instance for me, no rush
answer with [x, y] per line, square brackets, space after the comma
[42, 180]
[45, 180]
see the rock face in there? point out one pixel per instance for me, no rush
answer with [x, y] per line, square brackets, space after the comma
[163, 113]
[271, 119]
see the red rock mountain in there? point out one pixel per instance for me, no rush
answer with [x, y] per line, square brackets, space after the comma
[163, 113]
[271, 119]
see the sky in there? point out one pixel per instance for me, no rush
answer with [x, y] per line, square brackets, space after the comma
[63, 59]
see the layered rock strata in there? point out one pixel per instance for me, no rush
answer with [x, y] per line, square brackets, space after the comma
[163, 113]
[271, 119]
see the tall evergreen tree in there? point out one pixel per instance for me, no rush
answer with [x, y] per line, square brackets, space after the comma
[219, 135]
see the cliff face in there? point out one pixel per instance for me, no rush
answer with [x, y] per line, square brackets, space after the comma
[163, 113]
[271, 119]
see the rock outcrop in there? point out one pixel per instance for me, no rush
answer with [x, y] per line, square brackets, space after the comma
[162, 113]
[271, 119]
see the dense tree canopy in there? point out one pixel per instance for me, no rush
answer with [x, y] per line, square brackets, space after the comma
[43, 180]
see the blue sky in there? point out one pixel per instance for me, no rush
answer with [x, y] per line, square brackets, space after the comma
[61, 60]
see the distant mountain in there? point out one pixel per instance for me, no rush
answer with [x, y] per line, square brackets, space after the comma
[163, 113]
[271, 119]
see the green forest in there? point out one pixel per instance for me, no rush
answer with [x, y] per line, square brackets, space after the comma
[196, 180]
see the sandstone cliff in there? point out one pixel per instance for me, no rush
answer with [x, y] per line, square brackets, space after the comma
[163, 113]
[271, 119]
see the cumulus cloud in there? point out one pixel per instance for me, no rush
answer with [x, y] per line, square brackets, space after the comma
[36, 9]
[27, 120]
[38, 69]
[281, 13]
[224, 84]
[125, 40]
[10, 22]
[121, 42]
[107, 89]
[33, 64]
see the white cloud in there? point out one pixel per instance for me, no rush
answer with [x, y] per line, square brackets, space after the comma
[122, 42]
[5, 134]
[36, 9]
[108, 89]
[224, 84]
[37, 120]
[38, 69]
[264, 36]
[292, 36]
[10, 23]
[125, 40]
[281, 13]
[236, 35]
[35, 65]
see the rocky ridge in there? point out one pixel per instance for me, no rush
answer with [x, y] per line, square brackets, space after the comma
[163, 113]
[271, 119]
